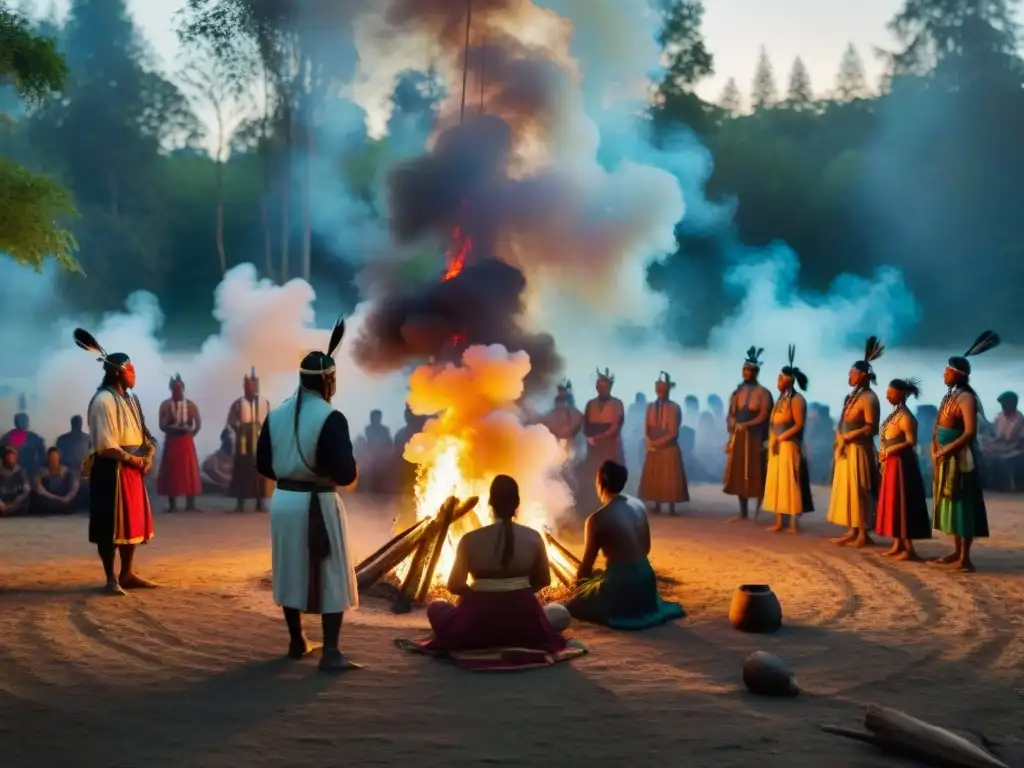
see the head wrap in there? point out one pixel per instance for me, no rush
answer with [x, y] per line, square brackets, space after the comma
[908, 387]
[793, 372]
[606, 376]
[873, 349]
[753, 359]
[986, 341]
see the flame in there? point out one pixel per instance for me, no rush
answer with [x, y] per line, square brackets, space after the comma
[477, 434]
[458, 252]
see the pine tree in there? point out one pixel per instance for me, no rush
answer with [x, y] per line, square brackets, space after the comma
[731, 101]
[851, 83]
[764, 94]
[800, 95]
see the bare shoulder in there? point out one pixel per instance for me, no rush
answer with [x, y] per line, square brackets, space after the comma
[798, 401]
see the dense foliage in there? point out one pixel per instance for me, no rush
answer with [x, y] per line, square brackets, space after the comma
[921, 174]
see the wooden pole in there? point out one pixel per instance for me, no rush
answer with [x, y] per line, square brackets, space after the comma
[562, 550]
[391, 543]
[562, 575]
[388, 561]
[454, 512]
[407, 593]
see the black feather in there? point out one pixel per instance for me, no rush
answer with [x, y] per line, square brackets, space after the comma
[336, 336]
[760, 351]
[752, 353]
[792, 354]
[873, 349]
[88, 342]
[986, 341]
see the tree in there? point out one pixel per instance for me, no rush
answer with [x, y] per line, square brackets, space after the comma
[686, 60]
[764, 93]
[213, 85]
[851, 83]
[32, 205]
[955, 39]
[799, 95]
[731, 101]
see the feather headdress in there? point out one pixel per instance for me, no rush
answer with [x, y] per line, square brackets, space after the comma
[792, 371]
[909, 386]
[607, 376]
[88, 342]
[664, 378]
[986, 341]
[873, 349]
[565, 385]
[176, 379]
[322, 364]
[753, 359]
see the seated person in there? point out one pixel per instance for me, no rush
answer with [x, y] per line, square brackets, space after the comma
[15, 488]
[56, 487]
[625, 595]
[219, 466]
[508, 565]
[1004, 451]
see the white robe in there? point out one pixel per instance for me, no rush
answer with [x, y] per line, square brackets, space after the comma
[289, 514]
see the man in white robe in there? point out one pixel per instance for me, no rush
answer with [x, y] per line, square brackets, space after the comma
[305, 446]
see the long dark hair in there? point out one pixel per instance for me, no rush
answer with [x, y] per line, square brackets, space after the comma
[504, 501]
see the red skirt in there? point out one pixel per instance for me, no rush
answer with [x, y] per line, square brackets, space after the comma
[485, 620]
[119, 509]
[179, 468]
[902, 507]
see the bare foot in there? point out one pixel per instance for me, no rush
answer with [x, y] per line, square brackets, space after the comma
[791, 529]
[736, 519]
[949, 559]
[113, 588]
[134, 581]
[296, 650]
[335, 661]
[774, 529]
[909, 556]
[896, 550]
[846, 538]
[967, 567]
[860, 542]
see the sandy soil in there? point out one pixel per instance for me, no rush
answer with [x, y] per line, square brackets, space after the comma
[192, 675]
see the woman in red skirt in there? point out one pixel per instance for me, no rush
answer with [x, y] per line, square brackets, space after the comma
[902, 507]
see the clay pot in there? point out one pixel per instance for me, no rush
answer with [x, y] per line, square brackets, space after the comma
[769, 675]
[755, 608]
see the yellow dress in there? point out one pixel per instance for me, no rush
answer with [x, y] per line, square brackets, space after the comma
[787, 489]
[855, 478]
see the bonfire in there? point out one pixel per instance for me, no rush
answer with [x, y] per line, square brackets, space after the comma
[476, 429]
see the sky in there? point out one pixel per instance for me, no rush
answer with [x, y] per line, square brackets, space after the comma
[816, 30]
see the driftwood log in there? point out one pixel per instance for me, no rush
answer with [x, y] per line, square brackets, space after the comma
[898, 733]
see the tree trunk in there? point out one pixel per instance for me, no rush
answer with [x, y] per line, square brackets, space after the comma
[286, 189]
[264, 149]
[307, 195]
[219, 184]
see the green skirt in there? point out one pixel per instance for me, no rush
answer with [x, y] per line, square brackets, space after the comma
[625, 596]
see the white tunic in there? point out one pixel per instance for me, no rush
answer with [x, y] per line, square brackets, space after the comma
[289, 514]
[114, 421]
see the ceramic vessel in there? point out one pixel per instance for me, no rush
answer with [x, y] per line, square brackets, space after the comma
[755, 608]
[769, 675]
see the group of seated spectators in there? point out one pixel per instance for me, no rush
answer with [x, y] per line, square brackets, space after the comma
[38, 480]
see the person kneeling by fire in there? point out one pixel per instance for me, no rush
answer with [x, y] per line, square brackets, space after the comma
[625, 595]
[498, 622]
[305, 446]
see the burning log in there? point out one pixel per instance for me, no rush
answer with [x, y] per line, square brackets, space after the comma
[564, 572]
[423, 542]
[387, 558]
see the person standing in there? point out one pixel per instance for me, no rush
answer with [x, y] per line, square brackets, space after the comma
[120, 515]
[179, 466]
[750, 409]
[902, 507]
[245, 416]
[855, 469]
[957, 492]
[787, 489]
[603, 418]
[305, 446]
[664, 478]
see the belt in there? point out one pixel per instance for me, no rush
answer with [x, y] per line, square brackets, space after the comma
[306, 486]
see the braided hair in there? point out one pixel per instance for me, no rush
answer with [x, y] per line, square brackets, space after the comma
[504, 502]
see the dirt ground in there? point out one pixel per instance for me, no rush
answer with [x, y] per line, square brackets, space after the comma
[193, 675]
